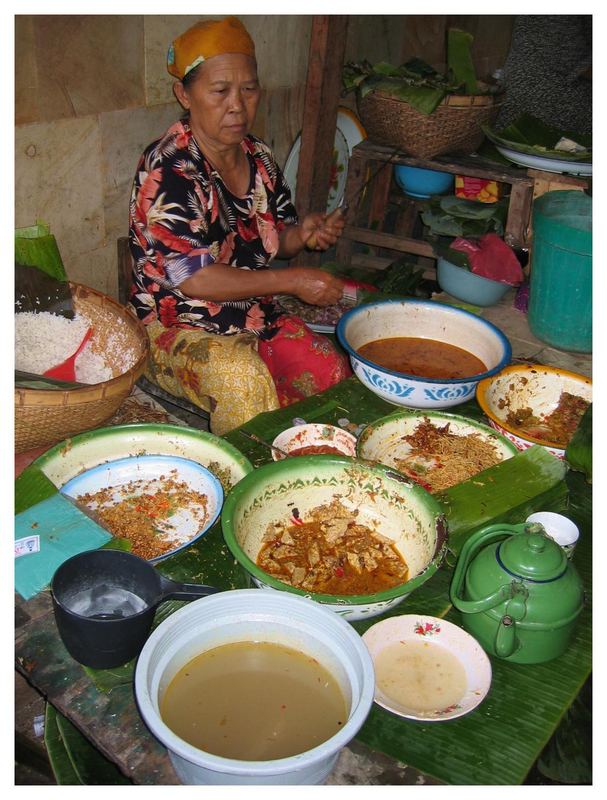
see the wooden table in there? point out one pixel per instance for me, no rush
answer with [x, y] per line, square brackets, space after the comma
[497, 744]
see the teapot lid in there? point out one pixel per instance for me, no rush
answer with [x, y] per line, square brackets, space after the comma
[532, 555]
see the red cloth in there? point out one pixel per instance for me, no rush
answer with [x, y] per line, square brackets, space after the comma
[301, 362]
[491, 258]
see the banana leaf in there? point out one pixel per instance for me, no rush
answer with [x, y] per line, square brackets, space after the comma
[31, 487]
[456, 216]
[74, 760]
[472, 209]
[567, 758]
[424, 99]
[442, 249]
[579, 450]
[414, 82]
[36, 246]
[30, 380]
[36, 290]
[459, 59]
[61, 764]
[530, 135]
[508, 492]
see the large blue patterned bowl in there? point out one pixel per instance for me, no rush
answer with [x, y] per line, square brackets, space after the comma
[428, 320]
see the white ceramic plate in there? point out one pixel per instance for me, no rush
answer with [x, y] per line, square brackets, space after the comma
[546, 164]
[339, 170]
[188, 522]
[314, 434]
[426, 636]
[351, 127]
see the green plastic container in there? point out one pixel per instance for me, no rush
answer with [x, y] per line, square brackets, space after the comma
[560, 293]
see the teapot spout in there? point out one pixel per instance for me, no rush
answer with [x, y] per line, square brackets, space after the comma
[506, 640]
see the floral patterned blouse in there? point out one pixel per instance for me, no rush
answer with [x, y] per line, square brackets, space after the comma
[183, 217]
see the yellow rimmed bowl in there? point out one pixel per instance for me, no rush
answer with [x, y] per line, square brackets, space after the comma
[533, 386]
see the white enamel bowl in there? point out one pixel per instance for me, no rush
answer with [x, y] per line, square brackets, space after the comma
[428, 320]
[382, 440]
[386, 501]
[314, 435]
[187, 523]
[533, 386]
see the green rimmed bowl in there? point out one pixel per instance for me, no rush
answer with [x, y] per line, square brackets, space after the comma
[386, 501]
[383, 440]
[87, 450]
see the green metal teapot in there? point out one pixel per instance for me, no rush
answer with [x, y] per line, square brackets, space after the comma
[519, 594]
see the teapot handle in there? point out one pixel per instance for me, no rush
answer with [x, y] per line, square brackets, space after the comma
[471, 546]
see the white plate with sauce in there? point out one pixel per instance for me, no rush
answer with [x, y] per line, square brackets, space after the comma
[426, 668]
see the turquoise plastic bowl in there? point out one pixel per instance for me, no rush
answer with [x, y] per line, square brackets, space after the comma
[467, 286]
[422, 183]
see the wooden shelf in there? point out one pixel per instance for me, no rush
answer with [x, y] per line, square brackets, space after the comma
[370, 169]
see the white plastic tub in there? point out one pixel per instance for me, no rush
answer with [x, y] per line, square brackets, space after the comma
[254, 615]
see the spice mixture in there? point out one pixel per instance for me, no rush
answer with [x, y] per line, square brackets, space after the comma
[558, 426]
[143, 516]
[438, 459]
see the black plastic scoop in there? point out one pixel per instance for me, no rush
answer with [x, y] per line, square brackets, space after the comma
[105, 601]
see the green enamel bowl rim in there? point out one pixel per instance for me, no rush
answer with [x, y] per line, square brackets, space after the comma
[395, 415]
[152, 427]
[307, 464]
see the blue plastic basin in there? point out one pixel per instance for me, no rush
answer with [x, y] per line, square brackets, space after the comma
[422, 183]
[467, 286]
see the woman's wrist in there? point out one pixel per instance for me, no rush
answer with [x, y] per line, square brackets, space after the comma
[291, 241]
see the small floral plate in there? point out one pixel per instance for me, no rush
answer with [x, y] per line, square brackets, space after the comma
[426, 668]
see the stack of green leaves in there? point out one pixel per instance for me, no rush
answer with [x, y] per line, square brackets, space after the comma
[530, 135]
[455, 216]
[416, 82]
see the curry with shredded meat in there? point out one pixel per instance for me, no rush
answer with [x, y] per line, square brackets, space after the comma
[330, 552]
[315, 450]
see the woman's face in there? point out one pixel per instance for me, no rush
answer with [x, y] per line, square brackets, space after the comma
[222, 99]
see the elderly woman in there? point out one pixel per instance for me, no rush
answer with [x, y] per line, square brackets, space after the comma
[209, 211]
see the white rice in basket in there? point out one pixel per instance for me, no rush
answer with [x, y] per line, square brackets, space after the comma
[43, 340]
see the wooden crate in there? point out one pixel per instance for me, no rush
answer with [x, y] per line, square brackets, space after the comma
[550, 182]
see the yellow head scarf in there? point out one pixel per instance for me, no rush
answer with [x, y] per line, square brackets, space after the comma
[205, 40]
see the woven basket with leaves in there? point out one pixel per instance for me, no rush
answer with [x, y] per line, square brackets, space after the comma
[47, 416]
[454, 127]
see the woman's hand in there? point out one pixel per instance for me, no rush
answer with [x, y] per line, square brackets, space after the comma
[315, 286]
[321, 231]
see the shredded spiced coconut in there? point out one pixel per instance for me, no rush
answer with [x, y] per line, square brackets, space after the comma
[438, 459]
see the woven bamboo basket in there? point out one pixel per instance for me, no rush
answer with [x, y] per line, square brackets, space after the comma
[45, 417]
[453, 127]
